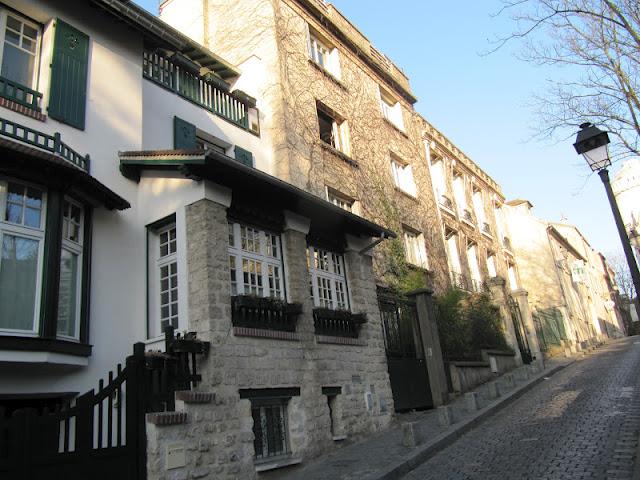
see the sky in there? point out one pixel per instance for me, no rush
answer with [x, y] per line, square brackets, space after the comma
[483, 103]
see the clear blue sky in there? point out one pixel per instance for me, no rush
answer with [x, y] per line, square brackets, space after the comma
[482, 103]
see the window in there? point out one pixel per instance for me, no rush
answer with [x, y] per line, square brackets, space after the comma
[334, 131]
[22, 230]
[439, 181]
[255, 262]
[403, 175]
[391, 109]
[459, 193]
[164, 276]
[478, 207]
[207, 142]
[340, 200]
[324, 55]
[20, 48]
[491, 265]
[513, 278]
[474, 269]
[270, 428]
[415, 249]
[69, 292]
[451, 237]
[328, 279]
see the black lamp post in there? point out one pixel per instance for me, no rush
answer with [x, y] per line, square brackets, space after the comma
[592, 143]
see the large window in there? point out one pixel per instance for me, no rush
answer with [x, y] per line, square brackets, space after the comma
[328, 279]
[69, 297]
[403, 175]
[22, 234]
[415, 250]
[333, 130]
[163, 277]
[323, 54]
[391, 109]
[255, 262]
[20, 48]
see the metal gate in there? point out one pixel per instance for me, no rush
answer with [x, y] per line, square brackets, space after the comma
[405, 356]
[521, 334]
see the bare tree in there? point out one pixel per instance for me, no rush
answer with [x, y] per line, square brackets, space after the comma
[623, 275]
[598, 39]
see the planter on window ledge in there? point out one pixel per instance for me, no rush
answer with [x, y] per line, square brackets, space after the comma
[338, 323]
[264, 313]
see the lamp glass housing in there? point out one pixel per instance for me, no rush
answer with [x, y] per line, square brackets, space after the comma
[598, 158]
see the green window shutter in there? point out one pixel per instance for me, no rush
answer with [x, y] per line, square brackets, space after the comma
[184, 135]
[69, 67]
[244, 156]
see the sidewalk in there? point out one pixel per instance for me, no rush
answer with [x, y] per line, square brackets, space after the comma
[383, 456]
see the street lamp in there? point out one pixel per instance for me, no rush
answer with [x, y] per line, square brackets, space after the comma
[592, 143]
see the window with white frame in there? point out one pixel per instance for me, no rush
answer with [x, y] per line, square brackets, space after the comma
[69, 293]
[513, 276]
[403, 175]
[22, 230]
[391, 108]
[472, 258]
[439, 180]
[163, 278]
[340, 200]
[328, 279]
[20, 49]
[478, 207]
[333, 130]
[453, 257]
[414, 247]
[255, 262]
[459, 193]
[491, 265]
[324, 54]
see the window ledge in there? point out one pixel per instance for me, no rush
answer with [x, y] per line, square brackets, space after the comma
[342, 156]
[263, 333]
[488, 235]
[46, 345]
[468, 223]
[406, 194]
[329, 339]
[273, 464]
[447, 210]
[18, 108]
[395, 127]
[329, 75]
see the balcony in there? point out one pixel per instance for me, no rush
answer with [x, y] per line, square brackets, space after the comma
[20, 94]
[337, 323]
[446, 202]
[179, 75]
[264, 313]
[467, 216]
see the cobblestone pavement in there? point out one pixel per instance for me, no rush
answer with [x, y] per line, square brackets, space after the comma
[582, 423]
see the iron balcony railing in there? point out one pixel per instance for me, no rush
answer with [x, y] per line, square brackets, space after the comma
[337, 323]
[20, 94]
[50, 143]
[206, 91]
[264, 313]
[463, 282]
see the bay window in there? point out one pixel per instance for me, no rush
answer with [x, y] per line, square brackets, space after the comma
[22, 246]
[69, 297]
[328, 279]
[255, 262]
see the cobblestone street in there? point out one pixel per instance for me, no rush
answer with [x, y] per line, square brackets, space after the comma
[581, 423]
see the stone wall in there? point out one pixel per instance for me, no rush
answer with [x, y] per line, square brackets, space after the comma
[219, 436]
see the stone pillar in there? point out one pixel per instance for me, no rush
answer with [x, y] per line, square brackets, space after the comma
[431, 345]
[499, 298]
[521, 296]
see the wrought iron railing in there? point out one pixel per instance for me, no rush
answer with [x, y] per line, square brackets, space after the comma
[205, 91]
[20, 94]
[446, 202]
[337, 323]
[50, 143]
[264, 313]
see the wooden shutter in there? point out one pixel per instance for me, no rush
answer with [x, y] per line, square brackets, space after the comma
[184, 135]
[69, 67]
[244, 156]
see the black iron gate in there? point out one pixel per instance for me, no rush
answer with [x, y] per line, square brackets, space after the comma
[405, 356]
[102, 435]
[521, 334]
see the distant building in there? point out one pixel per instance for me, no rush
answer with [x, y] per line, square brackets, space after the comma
[626, 188]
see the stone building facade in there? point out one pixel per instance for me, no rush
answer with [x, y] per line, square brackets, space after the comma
[570, 290]
[339, 114]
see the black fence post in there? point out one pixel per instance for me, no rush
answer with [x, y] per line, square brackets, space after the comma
[136, 411]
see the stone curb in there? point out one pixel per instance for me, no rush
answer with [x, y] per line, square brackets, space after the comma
[440, 442]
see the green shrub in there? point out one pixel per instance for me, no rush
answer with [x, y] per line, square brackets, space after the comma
[468, 323]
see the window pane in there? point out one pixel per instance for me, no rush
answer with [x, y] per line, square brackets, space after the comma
[18, 65]
[18, 278]
[68, 294]
[14, 213]
[14, 23]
